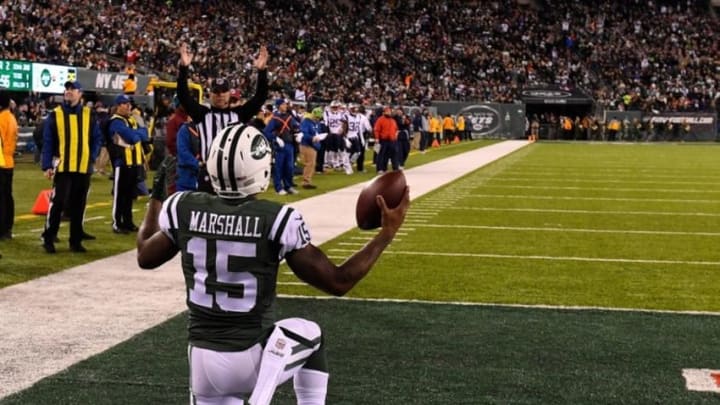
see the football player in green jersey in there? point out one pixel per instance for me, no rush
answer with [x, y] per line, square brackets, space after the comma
[231, 245]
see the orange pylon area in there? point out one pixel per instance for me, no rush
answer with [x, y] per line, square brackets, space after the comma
[435, 143]
[456, 140]
[42, 202]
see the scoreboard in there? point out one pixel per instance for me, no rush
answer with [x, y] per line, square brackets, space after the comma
[15, 75]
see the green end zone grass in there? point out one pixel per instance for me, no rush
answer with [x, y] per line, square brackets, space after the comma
[400, 353]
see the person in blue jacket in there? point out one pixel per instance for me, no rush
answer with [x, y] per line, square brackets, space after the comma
[280, 131]
[310, 145]
[188, 162]
[71, 143]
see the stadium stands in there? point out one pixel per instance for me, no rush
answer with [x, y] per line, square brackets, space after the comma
[645, 55]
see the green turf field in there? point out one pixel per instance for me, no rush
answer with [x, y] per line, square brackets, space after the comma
[561, 274]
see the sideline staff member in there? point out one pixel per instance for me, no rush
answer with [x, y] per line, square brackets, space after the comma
[71, 143]
[127, 133]
[8, 142]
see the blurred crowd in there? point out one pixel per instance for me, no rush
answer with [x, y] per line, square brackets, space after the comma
[643, 55]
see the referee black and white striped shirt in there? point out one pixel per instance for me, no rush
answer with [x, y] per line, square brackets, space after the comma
[210, 121]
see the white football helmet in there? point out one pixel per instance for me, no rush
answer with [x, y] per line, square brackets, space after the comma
[239, 161]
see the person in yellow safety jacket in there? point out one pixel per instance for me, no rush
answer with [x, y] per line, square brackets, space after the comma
[567, 128]
[613, 127]
[126, 132]
[448, 128]
[460, 124]
[71, 143]
[435, 128]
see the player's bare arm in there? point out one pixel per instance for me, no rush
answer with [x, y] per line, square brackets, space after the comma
[312, 266]
[153, 247]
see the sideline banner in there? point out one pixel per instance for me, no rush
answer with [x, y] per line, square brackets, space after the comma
[488, 120]
[109, 82]
[702, 125]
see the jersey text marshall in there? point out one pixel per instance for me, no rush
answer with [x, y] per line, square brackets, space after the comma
[224, 225]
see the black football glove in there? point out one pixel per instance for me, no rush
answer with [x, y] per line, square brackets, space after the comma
[158, 187]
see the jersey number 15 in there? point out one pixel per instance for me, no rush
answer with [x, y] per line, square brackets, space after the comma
[198, 295]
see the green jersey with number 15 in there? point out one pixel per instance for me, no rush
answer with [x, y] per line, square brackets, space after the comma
[230, 252]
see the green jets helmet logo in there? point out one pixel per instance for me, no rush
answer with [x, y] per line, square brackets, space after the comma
[259, 147]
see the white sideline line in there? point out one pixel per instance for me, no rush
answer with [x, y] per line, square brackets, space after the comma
[649, 190]
[494, 305]
[552, 197]
[566, 180]
[539, 257]
[578, 230]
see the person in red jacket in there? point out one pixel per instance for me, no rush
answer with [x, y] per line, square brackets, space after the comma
[177, 119]
[386, 134]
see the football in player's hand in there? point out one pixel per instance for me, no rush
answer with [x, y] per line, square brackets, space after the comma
[391, 186]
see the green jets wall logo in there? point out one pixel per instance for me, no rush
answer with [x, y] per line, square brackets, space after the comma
[45, 77]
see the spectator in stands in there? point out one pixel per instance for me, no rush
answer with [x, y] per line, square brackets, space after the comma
[8, 142]
[69, 167]
[507, 46]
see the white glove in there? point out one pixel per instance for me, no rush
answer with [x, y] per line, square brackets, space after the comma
[139, 119]
[280, 142]
[348, 144]
[376, 148]
[298, 137]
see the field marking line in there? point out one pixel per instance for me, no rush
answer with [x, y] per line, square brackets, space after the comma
[566, 175]
[552, 197]
[509, 179]
[541, 257]
[575, 188]
[498, 305]
[577, 230]
[559, 211]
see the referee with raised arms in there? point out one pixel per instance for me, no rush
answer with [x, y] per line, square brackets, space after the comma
[210, 121]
